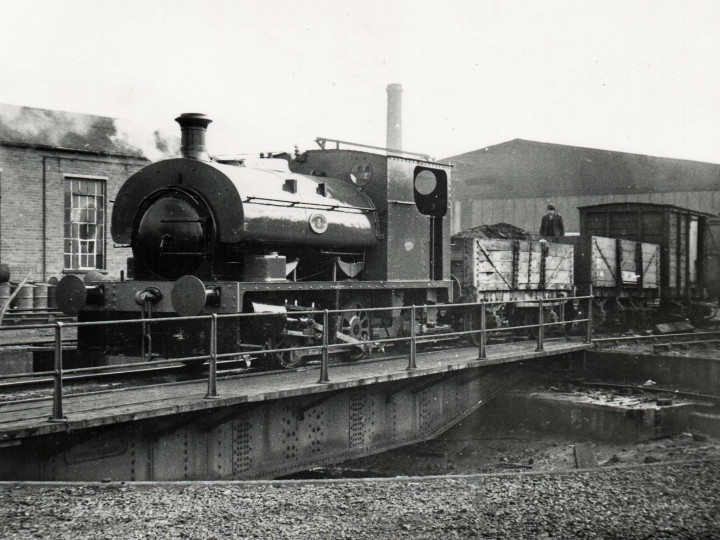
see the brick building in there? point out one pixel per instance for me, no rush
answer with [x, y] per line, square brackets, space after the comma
[514, 181]
[59, 173]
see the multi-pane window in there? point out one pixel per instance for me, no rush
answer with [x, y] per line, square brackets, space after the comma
[84, 224]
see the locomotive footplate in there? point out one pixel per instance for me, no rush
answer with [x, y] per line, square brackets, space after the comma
[121, 296]
[163, 335]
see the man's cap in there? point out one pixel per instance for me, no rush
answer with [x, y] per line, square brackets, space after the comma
[551, 207]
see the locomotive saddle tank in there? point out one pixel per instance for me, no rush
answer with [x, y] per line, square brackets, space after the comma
[180, 213]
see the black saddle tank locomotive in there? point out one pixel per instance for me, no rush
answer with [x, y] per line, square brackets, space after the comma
[330, 229]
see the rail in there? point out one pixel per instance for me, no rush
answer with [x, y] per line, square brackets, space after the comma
[213, 357]
[674, 337]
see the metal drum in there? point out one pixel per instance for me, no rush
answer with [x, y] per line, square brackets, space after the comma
[4, 273]
[4, 294]
[24, 298]
[40, 296]
[52, 297]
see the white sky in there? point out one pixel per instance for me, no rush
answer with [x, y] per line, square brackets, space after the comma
[635, 76]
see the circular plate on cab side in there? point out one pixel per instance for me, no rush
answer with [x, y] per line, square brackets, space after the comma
[188, 296]
[71, 295]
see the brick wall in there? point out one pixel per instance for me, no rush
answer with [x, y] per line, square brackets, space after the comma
[32, 206]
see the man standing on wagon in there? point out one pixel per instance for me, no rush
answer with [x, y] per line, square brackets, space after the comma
[552, 223]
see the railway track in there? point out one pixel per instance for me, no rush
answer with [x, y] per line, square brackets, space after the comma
[660, 339]
[641, 389]
[79, 379]
[85, 380]
[228, 367]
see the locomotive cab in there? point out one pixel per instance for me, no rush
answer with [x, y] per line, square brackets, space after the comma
[411, 195]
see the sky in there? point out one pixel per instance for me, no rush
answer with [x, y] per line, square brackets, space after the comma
[634, 76]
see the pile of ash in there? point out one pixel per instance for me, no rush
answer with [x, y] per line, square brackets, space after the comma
[497, 231]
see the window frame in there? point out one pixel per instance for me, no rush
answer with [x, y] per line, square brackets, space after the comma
[100, 239]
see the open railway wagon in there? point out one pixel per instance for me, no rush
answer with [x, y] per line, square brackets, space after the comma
[711, 244]
[679, 232]
[624, 276]
[502, 271]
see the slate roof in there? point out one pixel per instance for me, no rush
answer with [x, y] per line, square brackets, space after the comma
[28, 126]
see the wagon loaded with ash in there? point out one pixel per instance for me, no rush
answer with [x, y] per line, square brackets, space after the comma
[512, 270]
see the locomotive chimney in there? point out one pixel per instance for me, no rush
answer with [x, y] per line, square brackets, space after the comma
[394, 116]
[193, 127]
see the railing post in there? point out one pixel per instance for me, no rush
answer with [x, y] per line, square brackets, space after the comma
[588, 333]
[541, 328]
[412, 364]
[212, 367]
[324, 375]
[482, 349]
[57, 410]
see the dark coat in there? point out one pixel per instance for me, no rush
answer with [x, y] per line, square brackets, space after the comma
[552, 226]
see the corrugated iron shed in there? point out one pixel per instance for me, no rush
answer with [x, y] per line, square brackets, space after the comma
[525, 169]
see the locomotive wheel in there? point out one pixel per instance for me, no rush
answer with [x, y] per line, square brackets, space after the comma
[286, 359]
[356, 324]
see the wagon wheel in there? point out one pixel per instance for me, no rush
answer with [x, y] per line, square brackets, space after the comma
[549, 316]
[552, 315]
[471, 321]
[599, 311]
[356, 324]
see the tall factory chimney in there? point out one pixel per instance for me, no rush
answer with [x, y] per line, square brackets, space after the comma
[193, 127]
[394, 116]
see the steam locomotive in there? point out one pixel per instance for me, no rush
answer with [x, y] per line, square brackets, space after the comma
[329, 229]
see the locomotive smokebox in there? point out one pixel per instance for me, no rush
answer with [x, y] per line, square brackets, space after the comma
[193, 127]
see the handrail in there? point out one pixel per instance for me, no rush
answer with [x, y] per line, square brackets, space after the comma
[285, 203]
[57, 409]
[213, 356]
[322, 141]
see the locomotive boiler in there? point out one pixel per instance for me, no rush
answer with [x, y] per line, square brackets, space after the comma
[330, 229]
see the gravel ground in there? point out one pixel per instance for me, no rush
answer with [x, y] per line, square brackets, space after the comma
[653, 501]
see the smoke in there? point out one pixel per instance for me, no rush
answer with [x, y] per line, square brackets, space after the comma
[41, 126]
[154, 145]
[85, 132]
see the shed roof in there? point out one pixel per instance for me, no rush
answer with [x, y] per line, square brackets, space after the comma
[521, 168]
[635, 206]
[28, 126]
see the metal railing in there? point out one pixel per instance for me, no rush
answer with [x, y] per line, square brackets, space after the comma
[213, 357]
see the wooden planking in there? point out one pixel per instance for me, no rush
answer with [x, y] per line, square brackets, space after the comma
[97, 403]
[490, 264]
[651, 263]
[603, 262]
